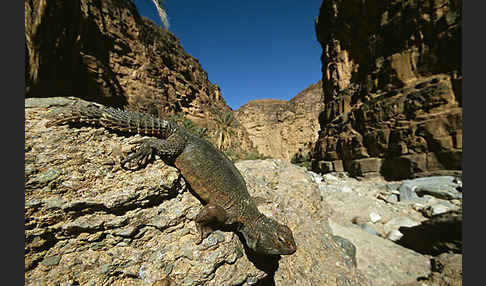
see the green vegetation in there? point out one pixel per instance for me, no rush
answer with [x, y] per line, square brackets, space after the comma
[225, 132]
[301, 160]
[224, 137]
[201, 132]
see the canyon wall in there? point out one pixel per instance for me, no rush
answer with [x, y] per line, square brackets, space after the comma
[392, 77]
[105, 51]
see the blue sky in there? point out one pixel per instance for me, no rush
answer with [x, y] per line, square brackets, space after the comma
[251, 49]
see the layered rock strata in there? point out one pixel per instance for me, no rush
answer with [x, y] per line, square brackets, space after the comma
[392, 88]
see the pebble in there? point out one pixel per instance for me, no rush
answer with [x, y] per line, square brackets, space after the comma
[393, 198]
[374, 217]
[369, 229]
[51, 260]
[45, 177]
[394, 235]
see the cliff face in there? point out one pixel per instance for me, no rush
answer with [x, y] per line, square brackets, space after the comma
[392, 87]
[104, 51]
[283, 129]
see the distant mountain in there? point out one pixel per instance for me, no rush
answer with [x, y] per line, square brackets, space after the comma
[283, 129]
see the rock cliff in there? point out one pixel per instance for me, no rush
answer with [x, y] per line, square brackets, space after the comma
[104, 51]
[392, 87]
[284, 129]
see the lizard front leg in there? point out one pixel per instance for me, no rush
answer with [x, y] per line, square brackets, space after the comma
[208, 216]
[167, 148]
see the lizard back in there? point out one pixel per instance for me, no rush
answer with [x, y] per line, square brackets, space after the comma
[215, 178]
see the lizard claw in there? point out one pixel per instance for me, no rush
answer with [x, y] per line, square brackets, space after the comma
[138, 157]
[204, 231]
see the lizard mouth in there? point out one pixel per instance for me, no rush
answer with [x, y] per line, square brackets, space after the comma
[292, 248]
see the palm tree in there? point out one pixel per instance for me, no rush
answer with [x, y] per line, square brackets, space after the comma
[162, 14]
[226, 125]
[159, 5]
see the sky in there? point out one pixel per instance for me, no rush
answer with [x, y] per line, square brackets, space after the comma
[251, 49]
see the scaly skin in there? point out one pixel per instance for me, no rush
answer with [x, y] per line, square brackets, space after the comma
[212, 176]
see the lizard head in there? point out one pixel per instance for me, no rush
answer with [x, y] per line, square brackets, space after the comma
[270, 237]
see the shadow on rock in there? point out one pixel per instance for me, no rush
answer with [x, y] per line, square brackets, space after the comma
[265, 263]
[442, 233]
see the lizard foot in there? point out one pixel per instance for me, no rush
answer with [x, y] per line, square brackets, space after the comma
[138, 156]
[209, 215]
[204, 231]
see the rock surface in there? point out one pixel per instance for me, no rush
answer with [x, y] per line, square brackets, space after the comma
[284, 129]
[392, 88]
[87, 221]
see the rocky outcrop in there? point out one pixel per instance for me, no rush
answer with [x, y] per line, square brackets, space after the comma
[392, 88]
[105, 51]
[284, 129]
[87, 221]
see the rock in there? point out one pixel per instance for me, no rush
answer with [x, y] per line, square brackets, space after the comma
[116, 57]
[438, 208]
[307, 216]
[369, 229]
[137, 228]
[442, 187]
[42, 179]
[51, 260]
[447, 269]
[393, 225]
[393, 198]
[365, 167]
[284, 129]
[394, 235]
[392, 78]
[382, 261]
[348, 247]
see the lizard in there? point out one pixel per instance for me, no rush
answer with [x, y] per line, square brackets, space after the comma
[210, 174]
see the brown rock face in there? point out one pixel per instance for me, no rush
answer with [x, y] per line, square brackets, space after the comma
[392, 87]
[283, 129]
[104, 51]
